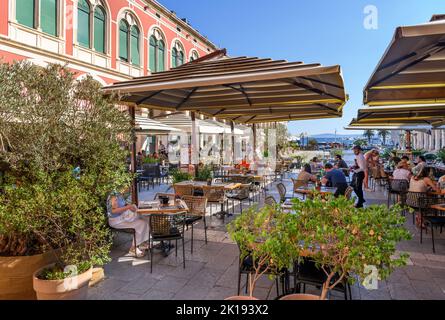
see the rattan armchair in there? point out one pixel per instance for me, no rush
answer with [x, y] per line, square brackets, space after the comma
[298, 184]
[282, 192]
[240, 194]
[197, 211]
[183, 190]
[398, 188]
[215, 195]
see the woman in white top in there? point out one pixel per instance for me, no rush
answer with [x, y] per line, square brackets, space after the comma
[402, 172]
[421, 182]
[123, 216]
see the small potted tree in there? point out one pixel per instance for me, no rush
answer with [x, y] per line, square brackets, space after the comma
[344, 241]
[264, 237]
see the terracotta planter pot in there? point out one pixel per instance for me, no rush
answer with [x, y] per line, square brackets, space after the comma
[73, 288]
[16, 275]
[300, 296]
[241, 298]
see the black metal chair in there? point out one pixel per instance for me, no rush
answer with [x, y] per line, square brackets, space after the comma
[434, 220]
[246, 268]
[282, 192]
[270, 201]
[167, 227]
[197, 211]
[306, 273]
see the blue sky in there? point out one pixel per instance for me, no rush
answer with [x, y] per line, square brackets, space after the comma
[325, 31]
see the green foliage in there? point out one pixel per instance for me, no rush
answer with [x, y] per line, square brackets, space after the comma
[441, 155]
[312, 144]
[179, 176]
[418, 152]
[369, 134]
[349, 239]
[383, 134]
[63, 146]
[204, 173]
[360, 142]
[268, 236]
[150, 160]
[335, 152]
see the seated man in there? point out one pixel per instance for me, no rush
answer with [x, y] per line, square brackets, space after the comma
[335, 178]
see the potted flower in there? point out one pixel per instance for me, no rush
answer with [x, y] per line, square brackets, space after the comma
[265, 237]
[62, 150]
[344, 241]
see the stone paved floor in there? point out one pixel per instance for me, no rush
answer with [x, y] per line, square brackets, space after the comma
[211, 271]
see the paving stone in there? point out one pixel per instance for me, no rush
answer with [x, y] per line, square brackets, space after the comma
[171, 284]
[402, 292]
[417, 273]
[192, 292]
[207, 277]
[158, 294]
[139, 286]
[220, 293]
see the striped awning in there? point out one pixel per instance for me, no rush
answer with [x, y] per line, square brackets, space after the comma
[143, 124]
[412, 70]
[184, 123]
[243, 89]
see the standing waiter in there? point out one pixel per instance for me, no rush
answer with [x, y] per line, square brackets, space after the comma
[359, 175]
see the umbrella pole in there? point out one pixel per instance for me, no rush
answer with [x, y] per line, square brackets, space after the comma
[134, 186]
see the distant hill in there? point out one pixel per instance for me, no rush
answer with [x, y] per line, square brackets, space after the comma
[333, 136]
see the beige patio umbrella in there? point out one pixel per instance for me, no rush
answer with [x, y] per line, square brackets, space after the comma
[412, 70]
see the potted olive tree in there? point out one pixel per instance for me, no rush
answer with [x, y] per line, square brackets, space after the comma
[265, 237]
[345, 242]
[62, 149]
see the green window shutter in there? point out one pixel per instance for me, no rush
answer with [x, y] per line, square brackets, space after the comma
[99, 29]
[83, 24]
[161, 56]
[25, 12]
[152, 54]
[48, 16]
[135, 53]
[123, 40]
[174, 58]
[180, 58]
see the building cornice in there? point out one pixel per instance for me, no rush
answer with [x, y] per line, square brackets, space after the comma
[172, 16]
[62, 57]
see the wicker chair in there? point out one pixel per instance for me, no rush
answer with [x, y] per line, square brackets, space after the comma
[240, 194]
[215, 195]
[183, 190]
[282, 191]
[197, 211]
[399, 188]
[348, 192]
[298, 184]
[270, 201]
[376, 177]
[167, 227]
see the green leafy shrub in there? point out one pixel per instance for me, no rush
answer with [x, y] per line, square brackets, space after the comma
[151, 160]
[268, 236]
[63, 146]
[343, 240]
[441, 155]
[179, 176]
[205, 173]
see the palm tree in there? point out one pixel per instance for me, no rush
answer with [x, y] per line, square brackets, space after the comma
[369, 134]
[383, 134]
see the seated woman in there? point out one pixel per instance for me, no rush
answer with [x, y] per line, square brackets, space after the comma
[422, 183]
[402, 172]
[305, 174]
[123, 216]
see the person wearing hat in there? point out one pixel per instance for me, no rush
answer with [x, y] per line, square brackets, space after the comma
[359, 175]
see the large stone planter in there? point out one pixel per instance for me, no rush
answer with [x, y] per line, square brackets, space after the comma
[300, 296]
[241, 298]
[16, 275]
[73, 288]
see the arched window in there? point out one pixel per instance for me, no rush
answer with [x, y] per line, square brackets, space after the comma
[194, 56]
[156, 54]
[83, 23]
[99, 29]
[123, 40]
[135, 53]
[177, 56]
[35, 14]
